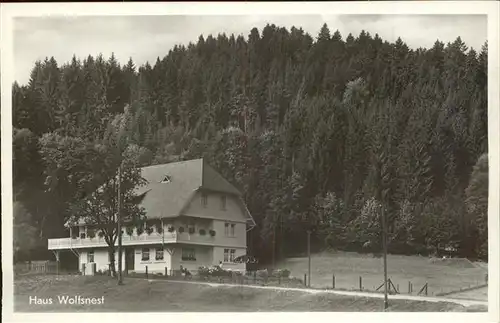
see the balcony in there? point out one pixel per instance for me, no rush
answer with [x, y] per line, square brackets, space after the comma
[144, 239]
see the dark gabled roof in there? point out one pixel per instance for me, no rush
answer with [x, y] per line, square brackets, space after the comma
[214, 181]
[165, 200]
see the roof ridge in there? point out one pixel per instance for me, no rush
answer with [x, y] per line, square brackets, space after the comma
[172, 163]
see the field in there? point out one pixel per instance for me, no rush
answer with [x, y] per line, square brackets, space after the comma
[442, 275]
[140, 295]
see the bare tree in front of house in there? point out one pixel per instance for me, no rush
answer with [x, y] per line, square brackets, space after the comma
[100, 208]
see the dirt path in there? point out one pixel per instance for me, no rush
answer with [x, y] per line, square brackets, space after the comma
[463, 302]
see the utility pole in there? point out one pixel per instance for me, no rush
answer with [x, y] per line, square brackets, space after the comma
[119, 219]
[282, 239]
[274, 240]
[309, 256]
[384, 246]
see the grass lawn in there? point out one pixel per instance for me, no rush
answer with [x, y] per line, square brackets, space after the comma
[442, 275]
[138, 295]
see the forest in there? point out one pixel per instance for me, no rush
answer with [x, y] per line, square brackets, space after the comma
[319, 133]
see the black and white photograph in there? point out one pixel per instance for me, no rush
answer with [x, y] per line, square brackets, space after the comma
[173, 161]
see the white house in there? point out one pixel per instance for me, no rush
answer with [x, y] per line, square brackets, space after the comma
[196, 218]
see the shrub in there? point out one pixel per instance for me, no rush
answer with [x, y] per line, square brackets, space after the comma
[181, 229]
[203, 271]
[91, 234]
[100, 234]
[264, 273]
[130, 231]
[171, 229]
[159, 229]
[203, 232]
[140, 230]
[285, 273]
[191, 230]
[215, 271]
[149, 230]
[212, 233]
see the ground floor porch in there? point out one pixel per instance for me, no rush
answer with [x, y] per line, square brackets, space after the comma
[160, 259]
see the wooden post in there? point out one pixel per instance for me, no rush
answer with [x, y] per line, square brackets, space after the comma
[384, 247]
[333, 281]
[305, 279]
[360, 283]
[57, 261]
[409, 287]
[279, 279]
[274, 240]
[119, 220]
[254, 277]
[309, 256]
[146, 272]
[166, 272]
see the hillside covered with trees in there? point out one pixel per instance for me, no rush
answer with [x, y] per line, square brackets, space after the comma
[317, 132]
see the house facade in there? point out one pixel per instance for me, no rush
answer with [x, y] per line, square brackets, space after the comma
[194, 218]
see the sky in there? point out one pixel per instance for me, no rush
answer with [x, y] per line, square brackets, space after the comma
[144, 38]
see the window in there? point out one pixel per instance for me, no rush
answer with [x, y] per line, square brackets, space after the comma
[229, 255]
[90, 256]
[229, 229]
[204, 199]
[191, 228]
[159, 253]
[223, 202]
[145, 254]
[188, 254]
[75, 232]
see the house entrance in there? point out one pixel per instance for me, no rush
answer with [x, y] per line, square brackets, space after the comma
[129, 259]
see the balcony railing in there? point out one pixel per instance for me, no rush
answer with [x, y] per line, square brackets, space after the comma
[167, 237]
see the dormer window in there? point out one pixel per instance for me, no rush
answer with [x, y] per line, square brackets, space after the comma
[166, 179]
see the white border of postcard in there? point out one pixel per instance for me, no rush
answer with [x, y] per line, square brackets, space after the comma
[490, 8]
